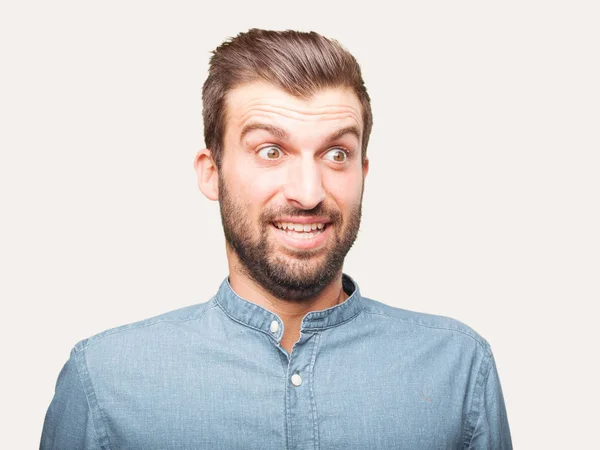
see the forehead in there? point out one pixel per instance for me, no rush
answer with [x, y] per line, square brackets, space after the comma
[261, 101]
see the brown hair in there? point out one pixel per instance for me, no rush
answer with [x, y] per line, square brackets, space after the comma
[300, 63]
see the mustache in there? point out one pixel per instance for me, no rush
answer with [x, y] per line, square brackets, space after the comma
[320, 210]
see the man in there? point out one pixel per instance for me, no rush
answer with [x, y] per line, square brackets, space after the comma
[288, 353]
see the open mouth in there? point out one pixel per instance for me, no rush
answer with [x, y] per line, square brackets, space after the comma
[301, 230]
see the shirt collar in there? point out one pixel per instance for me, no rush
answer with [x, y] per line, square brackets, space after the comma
[255, 316]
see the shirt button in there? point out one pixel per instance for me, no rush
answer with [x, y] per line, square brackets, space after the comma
[274, 326]
[296, 379]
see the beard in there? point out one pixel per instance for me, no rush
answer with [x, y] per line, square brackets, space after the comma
[305, 273]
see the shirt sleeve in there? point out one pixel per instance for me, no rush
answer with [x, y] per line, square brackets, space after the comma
[68, 424]
[491, 430]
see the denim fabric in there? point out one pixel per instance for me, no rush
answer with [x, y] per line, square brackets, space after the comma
[363, 375]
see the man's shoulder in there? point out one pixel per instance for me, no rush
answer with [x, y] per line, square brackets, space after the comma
[149, 328]
[424, 323]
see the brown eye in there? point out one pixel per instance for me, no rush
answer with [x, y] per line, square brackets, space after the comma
[337, 155]
[269, 153]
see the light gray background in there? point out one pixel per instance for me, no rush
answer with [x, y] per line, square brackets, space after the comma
[482, 202]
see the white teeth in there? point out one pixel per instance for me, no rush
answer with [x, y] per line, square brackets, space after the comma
[299, 228]
[302, 234]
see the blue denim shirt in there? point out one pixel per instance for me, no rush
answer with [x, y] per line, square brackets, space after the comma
[363, 375]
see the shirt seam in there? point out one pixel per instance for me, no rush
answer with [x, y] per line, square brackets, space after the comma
[289, 442]
[333, 325]
[140, 326]
[97, 414]
[482, 377]
[438, 327]
[312, 393]
[87, 400]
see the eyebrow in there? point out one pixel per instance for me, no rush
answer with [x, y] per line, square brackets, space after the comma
[279, 133]
[353, 130]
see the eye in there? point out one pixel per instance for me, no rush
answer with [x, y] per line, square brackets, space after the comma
[270, 152]
[337, 155]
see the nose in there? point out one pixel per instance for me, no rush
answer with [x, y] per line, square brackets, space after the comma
[304, 185]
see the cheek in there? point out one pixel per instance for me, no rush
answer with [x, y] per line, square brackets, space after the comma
[261, 185]
[345, 190]
[250, 183]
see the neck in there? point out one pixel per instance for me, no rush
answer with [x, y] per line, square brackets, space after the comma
[291, 313]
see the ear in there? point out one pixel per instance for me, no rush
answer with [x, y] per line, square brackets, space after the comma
[208, 176]
[365, 167]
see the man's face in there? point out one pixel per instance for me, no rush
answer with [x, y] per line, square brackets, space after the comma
[290, 185]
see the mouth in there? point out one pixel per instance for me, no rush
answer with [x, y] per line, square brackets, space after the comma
[301, 230]
[301, 235]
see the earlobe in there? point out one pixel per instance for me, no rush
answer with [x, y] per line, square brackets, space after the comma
[208, 175]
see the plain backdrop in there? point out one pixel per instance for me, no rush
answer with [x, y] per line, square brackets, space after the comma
[482, 201]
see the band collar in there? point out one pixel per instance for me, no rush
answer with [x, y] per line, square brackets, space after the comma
[255, 316]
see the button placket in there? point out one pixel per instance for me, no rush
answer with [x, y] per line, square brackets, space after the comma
[301, 424]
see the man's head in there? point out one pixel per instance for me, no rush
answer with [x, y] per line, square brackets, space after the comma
[287, 120]
[298, 63]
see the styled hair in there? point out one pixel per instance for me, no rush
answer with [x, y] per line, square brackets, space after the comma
[300, 63]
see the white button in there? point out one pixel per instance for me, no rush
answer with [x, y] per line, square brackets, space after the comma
[296, 380]
[274, 326]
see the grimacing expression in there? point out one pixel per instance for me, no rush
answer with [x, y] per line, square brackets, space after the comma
[290, 186]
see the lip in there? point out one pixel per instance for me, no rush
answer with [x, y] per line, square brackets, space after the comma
[301, 243]
[302, 220]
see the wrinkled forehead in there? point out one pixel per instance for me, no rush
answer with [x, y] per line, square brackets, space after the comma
[264, 102]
